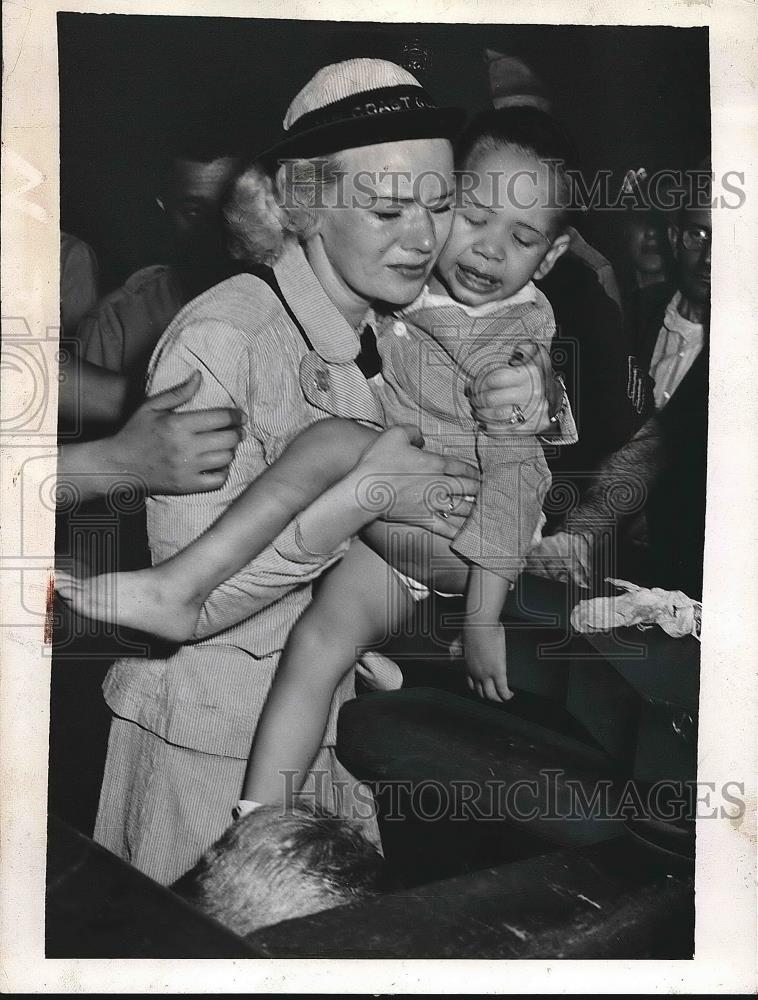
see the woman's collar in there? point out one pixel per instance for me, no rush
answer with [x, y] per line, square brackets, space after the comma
[330, 333]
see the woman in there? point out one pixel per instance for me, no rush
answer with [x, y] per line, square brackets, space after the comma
[360, 224]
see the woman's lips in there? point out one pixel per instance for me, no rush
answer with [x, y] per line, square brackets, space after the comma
[475, 280]
[411, 271]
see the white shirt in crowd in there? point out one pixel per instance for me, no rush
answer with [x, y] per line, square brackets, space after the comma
[679, 343]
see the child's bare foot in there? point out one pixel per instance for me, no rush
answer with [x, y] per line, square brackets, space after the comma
[141, 600]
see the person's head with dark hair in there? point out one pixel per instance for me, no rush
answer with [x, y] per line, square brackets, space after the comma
[513, 206]
[529, 129]
[648, 256]
[646, 246]
[197, 164]
[276, 864]
[513, 82]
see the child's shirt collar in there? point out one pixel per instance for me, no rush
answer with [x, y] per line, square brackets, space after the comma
[436, 300]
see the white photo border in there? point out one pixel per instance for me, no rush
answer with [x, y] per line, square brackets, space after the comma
[726, 863]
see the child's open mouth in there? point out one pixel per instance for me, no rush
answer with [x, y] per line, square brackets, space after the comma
[475, 280]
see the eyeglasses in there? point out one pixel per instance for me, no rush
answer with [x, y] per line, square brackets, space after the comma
[696, 239]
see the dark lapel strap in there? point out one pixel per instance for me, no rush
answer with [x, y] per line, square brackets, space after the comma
[267, 274]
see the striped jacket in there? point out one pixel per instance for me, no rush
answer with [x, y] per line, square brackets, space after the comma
[430, 353]
[208, 695]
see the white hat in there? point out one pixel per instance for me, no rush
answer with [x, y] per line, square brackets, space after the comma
[360, 102]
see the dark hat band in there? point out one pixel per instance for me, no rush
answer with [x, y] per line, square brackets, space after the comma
[369, 104]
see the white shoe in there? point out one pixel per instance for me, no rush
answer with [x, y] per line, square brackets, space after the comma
[379, 673]
[455, 649]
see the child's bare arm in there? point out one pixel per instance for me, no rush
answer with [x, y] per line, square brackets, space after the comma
[484, 636]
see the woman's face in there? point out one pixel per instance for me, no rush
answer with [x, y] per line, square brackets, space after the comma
[384, 223]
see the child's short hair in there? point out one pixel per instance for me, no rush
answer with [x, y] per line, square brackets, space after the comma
[278, 863]
[529, 130]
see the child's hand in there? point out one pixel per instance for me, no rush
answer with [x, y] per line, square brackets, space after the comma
[484, 647]
[526, 381]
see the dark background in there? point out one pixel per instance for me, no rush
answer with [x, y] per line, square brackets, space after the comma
[632, 96]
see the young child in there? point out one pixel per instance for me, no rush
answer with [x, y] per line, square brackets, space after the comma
[480, 307]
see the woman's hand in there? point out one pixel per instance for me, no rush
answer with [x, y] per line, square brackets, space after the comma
[400, 482]
[525, 385]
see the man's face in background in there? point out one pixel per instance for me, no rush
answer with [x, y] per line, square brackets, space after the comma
[691, 244]
[646, 244]
[192, 205]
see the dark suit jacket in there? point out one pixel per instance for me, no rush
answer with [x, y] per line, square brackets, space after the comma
[645, 320]
[676, 506]
[592, 352]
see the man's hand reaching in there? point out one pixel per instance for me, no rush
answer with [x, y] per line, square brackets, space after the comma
[160, 450]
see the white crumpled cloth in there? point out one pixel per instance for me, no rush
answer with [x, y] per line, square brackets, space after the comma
[676, 613]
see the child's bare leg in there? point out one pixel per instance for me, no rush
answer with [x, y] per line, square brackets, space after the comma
[315, 460]
[355, 607]
[418, 553]
[428, 559]
[166, 599]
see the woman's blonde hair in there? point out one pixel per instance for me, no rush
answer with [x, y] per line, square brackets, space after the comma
[263, 210]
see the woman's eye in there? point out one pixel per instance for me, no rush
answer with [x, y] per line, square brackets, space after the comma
[474, 221]
[441, 209]
[391, 214]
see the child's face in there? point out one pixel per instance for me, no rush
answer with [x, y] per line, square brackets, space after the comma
[504, 232]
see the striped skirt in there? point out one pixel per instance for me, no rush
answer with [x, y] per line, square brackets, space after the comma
[162, 805]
